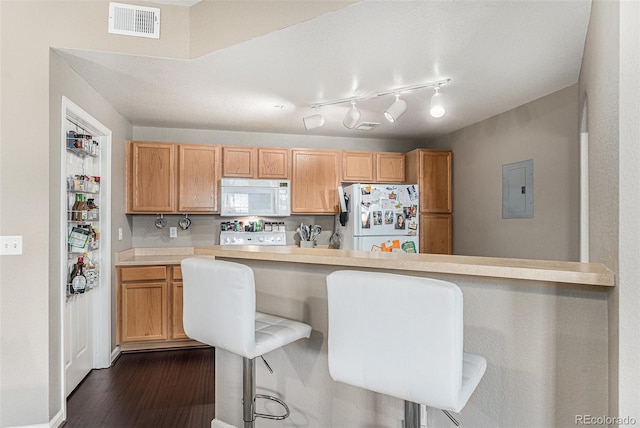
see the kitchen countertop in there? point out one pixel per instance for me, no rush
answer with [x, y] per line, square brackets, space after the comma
[153, 256]
[590, 274]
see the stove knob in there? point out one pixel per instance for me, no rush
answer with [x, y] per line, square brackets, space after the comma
[261, 239]
[271, 238]
[227, 240]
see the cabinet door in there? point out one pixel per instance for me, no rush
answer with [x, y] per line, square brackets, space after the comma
[177, 329]
[144, 311]
[151, 177]
[239, 162]
[436, 233]
[389, 167]
[357, 167]
[315, 178]
[273, 163]
[199, 178]
[435, 184]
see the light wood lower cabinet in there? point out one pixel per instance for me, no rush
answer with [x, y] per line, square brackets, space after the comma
[177, 330]
[149, 307]
[436, 233]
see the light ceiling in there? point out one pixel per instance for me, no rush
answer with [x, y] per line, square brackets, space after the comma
[499, 55]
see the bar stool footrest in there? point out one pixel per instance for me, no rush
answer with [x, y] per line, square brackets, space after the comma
[273, 417]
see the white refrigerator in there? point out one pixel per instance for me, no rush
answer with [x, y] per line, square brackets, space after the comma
[382, 217]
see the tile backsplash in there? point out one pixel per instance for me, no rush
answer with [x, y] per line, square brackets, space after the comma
[205, 229]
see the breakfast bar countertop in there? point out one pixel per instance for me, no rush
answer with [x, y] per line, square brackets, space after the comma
[590, 274]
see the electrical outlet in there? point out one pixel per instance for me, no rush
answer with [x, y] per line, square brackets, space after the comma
[119, 234]
[173, 232]
[11, 245]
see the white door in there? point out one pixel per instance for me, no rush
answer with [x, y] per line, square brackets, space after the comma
[78, 349]
[86, 322]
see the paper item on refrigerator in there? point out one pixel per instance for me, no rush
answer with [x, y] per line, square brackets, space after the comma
[409, 247]
[388, 204]
[389, 246]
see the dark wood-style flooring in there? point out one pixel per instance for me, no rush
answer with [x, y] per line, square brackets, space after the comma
[147, 389]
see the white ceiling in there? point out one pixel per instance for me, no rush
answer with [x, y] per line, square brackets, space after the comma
[499, 55]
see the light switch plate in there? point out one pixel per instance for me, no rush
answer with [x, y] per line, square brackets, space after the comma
[11, 245]
[173, 232]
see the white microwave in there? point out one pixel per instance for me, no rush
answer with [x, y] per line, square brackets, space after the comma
[249, 197]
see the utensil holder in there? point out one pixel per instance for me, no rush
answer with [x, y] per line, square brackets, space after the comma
[307, 244]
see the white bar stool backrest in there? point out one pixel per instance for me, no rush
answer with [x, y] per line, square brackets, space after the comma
[219, 304]
[397, 335]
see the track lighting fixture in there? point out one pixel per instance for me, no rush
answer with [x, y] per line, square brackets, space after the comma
[314, 121]
[437, 104]
[396, 109]
[352, 117]
[392, 114]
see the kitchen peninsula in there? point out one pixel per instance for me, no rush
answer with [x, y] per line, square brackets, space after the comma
[541, 325]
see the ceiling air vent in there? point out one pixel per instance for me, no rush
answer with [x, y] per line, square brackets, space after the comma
[367, 126]
[132, 20]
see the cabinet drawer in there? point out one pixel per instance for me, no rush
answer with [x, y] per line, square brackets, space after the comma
[177, 273]
[143, 273]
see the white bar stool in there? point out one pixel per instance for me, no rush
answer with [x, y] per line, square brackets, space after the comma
[219, 309]
[401, 336]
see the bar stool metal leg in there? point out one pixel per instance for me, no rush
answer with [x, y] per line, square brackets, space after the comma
[411, 415]
[248, 392]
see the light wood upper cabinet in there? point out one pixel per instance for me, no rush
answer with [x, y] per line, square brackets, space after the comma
[357, 167]
[198, 178]
[315, 177]
[432, 171]
[372, 167]
[436, 233]
[389, 167]
[172, 178]
[255, 162]
[151, 175]
[240, 162]
[274, 163]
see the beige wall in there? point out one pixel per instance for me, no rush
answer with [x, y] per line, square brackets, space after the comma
[599, 88]
[545, 130]
[545, 346]
[610, 84]
[29, 161]
[29, 390]
[65, 82]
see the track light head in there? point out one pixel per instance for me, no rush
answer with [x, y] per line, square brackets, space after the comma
[352, 117]
[396, 109]
[437, 104]
[313, 121]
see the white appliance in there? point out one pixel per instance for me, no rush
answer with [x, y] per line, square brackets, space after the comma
[253, 238]
[249, 197]
[382, 217]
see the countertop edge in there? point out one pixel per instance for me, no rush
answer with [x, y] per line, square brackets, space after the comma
[595, 276]
[590, 274]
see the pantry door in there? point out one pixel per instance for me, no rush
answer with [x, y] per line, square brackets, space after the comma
[86, 316]
[78, 350]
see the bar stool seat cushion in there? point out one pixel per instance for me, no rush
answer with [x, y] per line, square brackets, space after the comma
[273, 332]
